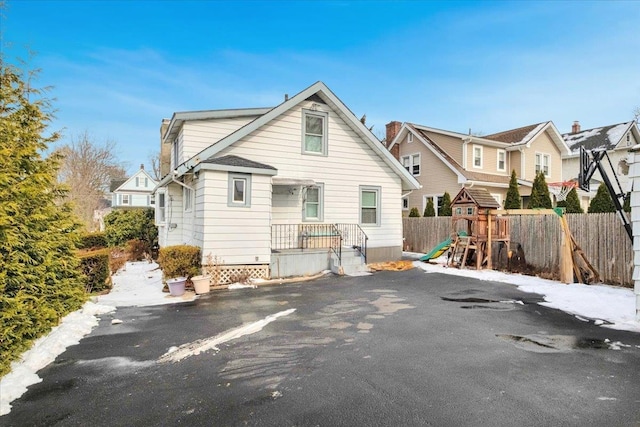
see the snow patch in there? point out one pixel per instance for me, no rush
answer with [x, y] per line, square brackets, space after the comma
[199, 346]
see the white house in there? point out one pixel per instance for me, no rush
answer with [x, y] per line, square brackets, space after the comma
[279, 191]
[133, 192]
[615, 139]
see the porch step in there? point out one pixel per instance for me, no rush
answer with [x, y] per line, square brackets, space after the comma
[352, 263]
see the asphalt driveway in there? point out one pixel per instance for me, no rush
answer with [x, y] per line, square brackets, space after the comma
[394, 348]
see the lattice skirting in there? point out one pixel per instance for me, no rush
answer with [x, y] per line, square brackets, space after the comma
[240, 273]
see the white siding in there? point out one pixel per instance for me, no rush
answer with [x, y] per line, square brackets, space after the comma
[203, 133]
[349, 164]
[237, 235]
[168, 236]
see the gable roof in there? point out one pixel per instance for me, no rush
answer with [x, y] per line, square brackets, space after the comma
[601, 138]
[524, 136]
[464, 175]
[480, 196]
[116, 184]
[319, 89]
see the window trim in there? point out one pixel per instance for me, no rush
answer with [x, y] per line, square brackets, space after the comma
[540, 166]
[232, 177]
[473, 155]
[320, 187]
[325, 130]
[187, 199]
[405, 201]
[436, 198]
[128, 200]
[504, 152]
[410, 138]
[412, 165]
[161, 207]
[378, 191]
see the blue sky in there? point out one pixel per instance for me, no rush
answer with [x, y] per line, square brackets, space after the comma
[118, 67]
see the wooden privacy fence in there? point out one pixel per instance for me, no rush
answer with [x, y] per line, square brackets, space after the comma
[602, 237]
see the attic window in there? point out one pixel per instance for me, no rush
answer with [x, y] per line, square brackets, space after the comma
[314, 132]
[410, 137]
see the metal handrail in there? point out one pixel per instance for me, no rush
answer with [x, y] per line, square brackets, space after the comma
[316, 236]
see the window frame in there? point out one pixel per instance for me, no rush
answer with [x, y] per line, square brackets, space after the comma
[324, 151]
[540, 163]
[232, 178]
[405, 203]
[473, 156]
[125, 200]
[160, 207]
[437, 200]
[378, 192]
[320, 187]
[504, 165]
[187, 199]
[410, 138]
[411, 167]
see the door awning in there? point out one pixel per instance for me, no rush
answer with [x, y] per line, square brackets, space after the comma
[293, 182]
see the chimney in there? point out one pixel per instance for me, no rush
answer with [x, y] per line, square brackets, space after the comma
[392, 130]
[142, 166]
[575, 128]
[286, 97]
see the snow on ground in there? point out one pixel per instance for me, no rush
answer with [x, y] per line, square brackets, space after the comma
[601, 303]
[140, 284]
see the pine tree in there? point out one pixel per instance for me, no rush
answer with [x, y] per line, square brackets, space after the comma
[39, 275]
[513, 195]
[540, 197]
[602, 201]
[446, 205]
[429, 210]
[572, 203]
[414, 213]
[626, 206]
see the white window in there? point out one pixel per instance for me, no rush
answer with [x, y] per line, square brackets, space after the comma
[412, 164]
[437, 203]
[125, 200]
[313, 203]
[502, 160]
[187, 198]
[369, 205]
[477, 156]
[239, 193]
[410, 137]
[146, 182]
[175, 153]
[137, 181]
[542, 163]
[161, 207]
[314, 132]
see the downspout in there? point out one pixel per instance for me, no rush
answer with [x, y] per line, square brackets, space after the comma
[465, 143]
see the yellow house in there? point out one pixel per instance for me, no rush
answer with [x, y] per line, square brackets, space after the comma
[445, 161]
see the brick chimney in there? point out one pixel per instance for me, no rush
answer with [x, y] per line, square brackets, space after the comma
[142, 166]
[575, 128]
[392, 130]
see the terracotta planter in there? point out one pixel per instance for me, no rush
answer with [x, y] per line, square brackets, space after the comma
[176, 286]
[201, 284]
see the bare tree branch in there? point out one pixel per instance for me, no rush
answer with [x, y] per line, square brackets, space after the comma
[87, 169]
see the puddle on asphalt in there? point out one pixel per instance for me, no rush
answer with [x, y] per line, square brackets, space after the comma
[557, 343]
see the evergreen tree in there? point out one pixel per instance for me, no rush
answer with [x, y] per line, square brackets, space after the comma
[39, 271]
[446, 205]
[429, 210]
[414, 213]
[513, 195]
[572, 203]
[626, 206]
[540, 193]
[602, 201]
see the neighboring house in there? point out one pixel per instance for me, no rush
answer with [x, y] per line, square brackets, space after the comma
[133, 192]
[255, 188]
[615, 139]
[444, 161]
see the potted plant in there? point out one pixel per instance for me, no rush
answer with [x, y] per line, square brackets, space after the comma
[179, 263]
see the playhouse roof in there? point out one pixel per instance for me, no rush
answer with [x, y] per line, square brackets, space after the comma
[478, 196]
